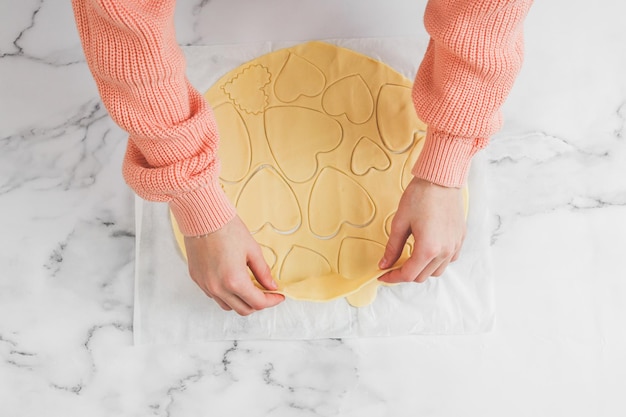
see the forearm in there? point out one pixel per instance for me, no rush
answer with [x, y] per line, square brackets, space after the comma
[474, 55]
[139, 69]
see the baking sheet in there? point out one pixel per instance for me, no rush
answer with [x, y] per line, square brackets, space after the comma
[169, 308]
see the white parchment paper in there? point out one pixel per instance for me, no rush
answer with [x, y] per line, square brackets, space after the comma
[169, 308]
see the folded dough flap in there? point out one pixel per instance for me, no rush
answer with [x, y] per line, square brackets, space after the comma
[331, 286]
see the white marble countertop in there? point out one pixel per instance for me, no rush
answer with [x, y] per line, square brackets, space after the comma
[558, 180]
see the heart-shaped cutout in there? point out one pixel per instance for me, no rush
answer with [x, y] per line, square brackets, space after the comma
[296, 135]
[247, 89]
[358, 257]
[368, 155]
[298, 77]
[397, 121]
[301, 263]
[261, 195]
[350, 96]
[327, 205]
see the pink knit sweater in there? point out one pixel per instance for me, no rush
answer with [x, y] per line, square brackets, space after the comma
[474, 55]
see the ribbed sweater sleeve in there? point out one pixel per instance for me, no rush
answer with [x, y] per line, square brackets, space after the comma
[131, 50]
[469, 67]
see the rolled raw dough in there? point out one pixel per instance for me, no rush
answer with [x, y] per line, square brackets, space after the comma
[317, 145]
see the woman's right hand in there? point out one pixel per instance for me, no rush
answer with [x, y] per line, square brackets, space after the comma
[219, 262]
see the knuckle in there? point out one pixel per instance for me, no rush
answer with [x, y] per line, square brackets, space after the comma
[437, 251]
[447, 251]
[232, 285]
[212, 287]
[430, 251]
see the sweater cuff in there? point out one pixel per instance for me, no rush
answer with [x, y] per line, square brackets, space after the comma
[202, 211]
[445, 159]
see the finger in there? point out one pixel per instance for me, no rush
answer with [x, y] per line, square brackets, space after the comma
[441, 268]
[407, 272]
[242, 295]
[241, 307]
[259, 300]
[272, 300]
[261, 270]
[395, 244]
[428, 270]
[386, 278]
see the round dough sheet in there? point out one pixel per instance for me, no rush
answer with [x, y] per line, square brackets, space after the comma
[317, 143]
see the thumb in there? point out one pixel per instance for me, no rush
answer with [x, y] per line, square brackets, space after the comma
[393, 250]
[260, 269]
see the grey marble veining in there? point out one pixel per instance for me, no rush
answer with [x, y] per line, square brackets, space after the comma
[558, 179]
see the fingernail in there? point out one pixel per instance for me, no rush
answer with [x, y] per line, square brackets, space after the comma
[382, 263]
[274, 285]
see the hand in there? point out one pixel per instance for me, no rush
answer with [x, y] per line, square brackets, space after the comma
[435, 216]
[219, 264]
